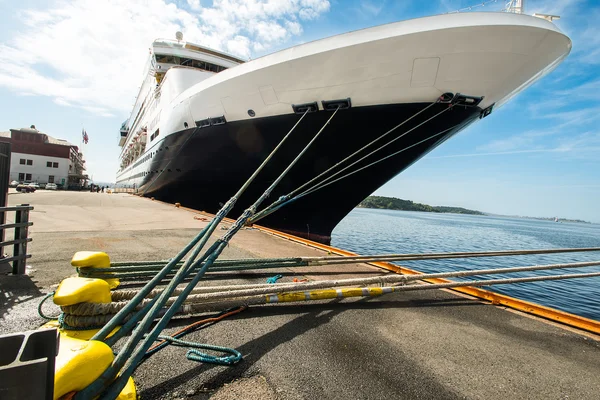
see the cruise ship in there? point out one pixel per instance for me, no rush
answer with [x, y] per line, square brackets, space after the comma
[204, 120]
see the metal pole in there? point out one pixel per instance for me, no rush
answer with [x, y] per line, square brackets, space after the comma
[17, 268]
[24, 235]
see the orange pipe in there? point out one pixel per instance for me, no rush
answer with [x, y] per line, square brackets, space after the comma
[495, 298]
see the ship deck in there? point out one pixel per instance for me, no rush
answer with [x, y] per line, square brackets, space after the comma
[430, 344]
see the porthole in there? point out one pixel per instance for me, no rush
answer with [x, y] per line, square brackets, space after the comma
[251, 113]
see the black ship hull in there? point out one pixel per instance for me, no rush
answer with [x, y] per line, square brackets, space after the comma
[203, 168]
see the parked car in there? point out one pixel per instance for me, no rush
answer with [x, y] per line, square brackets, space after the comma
[34, 185]
[25, 188]
[13, 184]
[51, 186]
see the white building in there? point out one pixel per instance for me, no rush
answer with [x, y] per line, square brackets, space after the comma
[38, 157]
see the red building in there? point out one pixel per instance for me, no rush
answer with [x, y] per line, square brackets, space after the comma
[38, 157]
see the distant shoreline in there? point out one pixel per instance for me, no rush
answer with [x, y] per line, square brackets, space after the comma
[393, 203]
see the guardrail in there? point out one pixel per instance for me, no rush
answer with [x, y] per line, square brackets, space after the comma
[20, 238]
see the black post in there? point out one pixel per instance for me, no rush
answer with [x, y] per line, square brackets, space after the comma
[24, 236]
[16, 247]
[20, 248]
[5, 153]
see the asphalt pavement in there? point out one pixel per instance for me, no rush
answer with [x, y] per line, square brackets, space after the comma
[415, 345]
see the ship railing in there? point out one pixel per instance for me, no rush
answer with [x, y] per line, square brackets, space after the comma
[20, 228]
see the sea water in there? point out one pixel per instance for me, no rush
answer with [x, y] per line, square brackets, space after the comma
[369, 231]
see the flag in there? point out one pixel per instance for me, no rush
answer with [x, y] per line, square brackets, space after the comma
[84, 136]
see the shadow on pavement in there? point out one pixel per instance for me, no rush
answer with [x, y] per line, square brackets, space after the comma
[310, 316]
[15, 289]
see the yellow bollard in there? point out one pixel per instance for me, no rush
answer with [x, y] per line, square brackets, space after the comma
[82, 290]
[94, 259]
[80, 362]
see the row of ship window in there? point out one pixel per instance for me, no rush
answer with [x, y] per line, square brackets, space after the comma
[140, 174]
[26, 161]
[144, 159]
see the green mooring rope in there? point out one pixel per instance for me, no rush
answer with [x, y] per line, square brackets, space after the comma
[195, 355]
[40, 312]
[192, 354]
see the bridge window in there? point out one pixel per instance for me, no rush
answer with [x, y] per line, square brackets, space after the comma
[189, 62]
[166, 59]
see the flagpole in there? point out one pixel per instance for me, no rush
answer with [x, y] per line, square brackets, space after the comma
[83, 142]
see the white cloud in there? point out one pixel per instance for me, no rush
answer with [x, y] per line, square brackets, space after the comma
[239, 45]
[311, 9]
[372, 9]
[518, 141]
[269, 32]
[294, 27]
[194, 4]
[91, 54]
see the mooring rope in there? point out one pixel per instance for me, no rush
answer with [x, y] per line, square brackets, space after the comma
[136, 346]
[41, 303]
[93, 309]
[195, 355]
[325, 294]
[283, 200]
[291, 262]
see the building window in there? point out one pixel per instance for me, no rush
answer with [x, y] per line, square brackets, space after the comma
[27, 177]
[55, 165]
[22, 161]
[21, 177]
[49, 164]
[29, 162]
[51, 179]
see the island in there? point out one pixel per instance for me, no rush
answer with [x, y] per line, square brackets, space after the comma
[393, 203]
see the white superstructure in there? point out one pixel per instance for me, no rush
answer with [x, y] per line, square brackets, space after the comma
[194, 64]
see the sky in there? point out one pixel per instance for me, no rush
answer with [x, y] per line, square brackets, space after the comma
[70, 65]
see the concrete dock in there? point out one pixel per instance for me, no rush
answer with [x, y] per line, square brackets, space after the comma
[430, 344]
